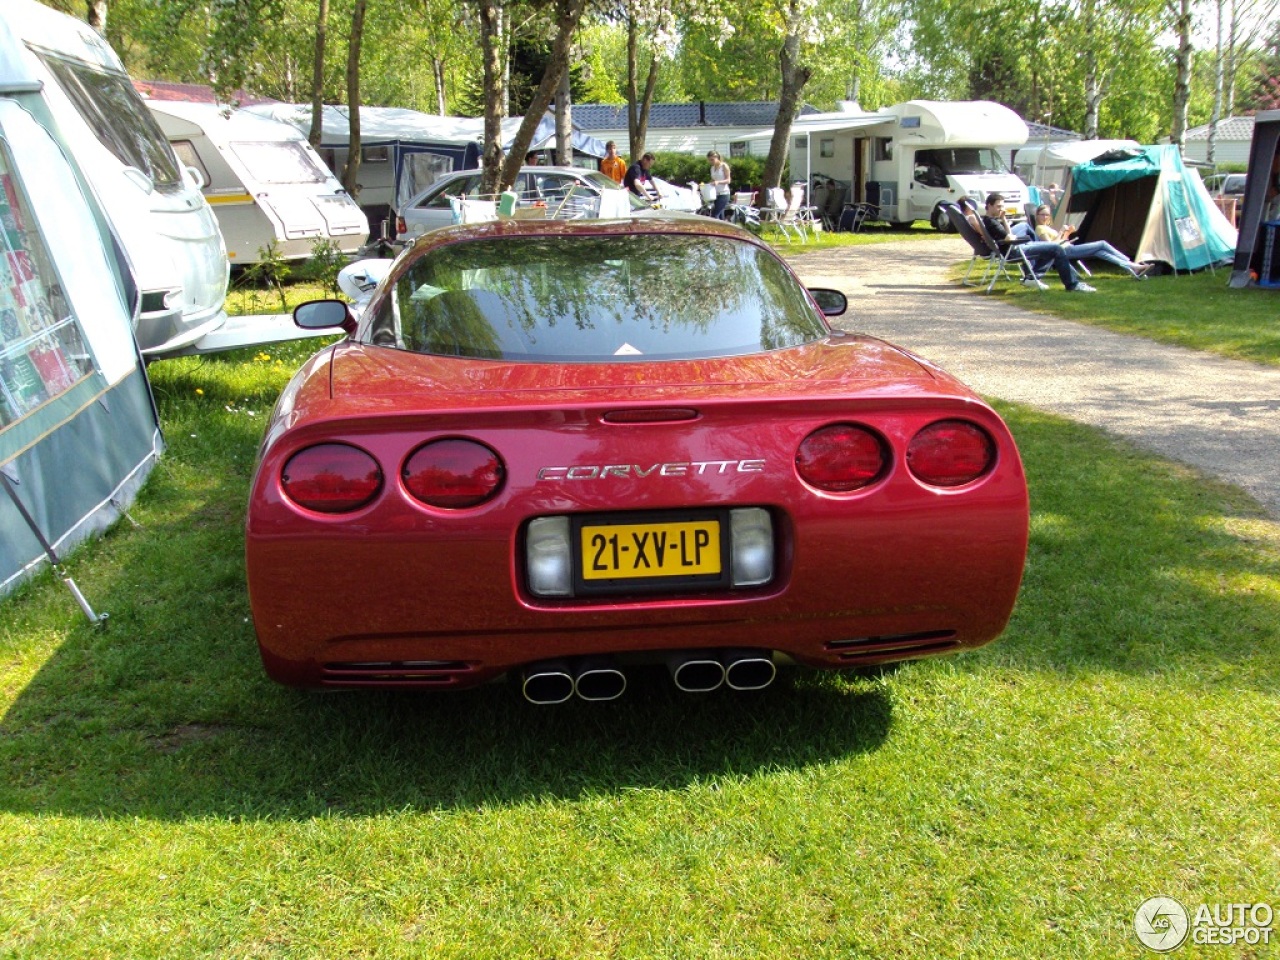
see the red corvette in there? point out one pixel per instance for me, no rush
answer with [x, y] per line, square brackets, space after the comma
[554, 450]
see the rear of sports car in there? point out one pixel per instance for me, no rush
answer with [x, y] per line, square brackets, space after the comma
[422, 518]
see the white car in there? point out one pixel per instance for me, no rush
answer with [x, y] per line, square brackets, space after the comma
[561, 193]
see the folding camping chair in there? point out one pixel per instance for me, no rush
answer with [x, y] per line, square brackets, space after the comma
[998, 256]
[743, 210]
[783, 213]
[854, 215]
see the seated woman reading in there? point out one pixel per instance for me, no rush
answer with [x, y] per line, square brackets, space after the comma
[1083, 251]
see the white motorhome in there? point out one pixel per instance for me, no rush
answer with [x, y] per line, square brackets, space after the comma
[164, 227]
[910, 158]
[263, 180]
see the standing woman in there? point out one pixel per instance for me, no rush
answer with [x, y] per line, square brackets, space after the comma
[719, 180]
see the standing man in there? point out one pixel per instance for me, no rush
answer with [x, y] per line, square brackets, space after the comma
[613, 166]
[637, 179]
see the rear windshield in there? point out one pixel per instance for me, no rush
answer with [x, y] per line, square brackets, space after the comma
[596, 298]
[118, 118]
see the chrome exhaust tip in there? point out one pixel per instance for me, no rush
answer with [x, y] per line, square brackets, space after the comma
[546, 683]
[599, 680]
[748, 669]
[696, 673]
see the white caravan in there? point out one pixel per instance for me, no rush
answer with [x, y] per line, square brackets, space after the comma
[910, 158]
[263, 180]
[165, 229]
[1042, 163]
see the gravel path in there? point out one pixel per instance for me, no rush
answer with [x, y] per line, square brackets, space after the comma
[1220, 416]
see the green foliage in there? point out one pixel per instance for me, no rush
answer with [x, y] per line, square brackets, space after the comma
[682, 168]
[270, 272]
[324, 264]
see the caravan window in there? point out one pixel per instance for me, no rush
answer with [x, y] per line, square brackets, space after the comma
[41, 352]
[279, 162]
[118, 118]
[961, 160]
[188, 157]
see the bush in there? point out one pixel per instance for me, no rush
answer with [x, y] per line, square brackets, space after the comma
[745, 173]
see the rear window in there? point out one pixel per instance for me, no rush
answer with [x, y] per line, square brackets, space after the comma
[596, 298]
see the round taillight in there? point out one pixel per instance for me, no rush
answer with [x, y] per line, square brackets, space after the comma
[840, 458]
[950, 453]
[331, 478]
[453, 473]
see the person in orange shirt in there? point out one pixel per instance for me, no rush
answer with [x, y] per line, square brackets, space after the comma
[612, 165]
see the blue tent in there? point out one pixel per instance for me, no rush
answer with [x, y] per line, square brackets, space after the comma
[1147, 203]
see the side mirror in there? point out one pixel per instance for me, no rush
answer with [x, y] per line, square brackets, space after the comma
[832, 303]
[324, 315]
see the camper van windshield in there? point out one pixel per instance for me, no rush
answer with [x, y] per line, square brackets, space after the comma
[279, 162]
[118, 118]
[961, 160]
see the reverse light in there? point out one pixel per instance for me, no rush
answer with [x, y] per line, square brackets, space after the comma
[840, 458]
[549, 557]
[331, 478]
[950, 453]
[453, 474]
[752, 539]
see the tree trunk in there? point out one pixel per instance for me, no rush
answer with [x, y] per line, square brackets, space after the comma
[1216, 113]
[634, 134]
[97, 15]
[350, 180]
[568, 15]
[794, 77]
[1182, 78]
[317, 75]
[437, 70]
[492, 52]
[564, 122]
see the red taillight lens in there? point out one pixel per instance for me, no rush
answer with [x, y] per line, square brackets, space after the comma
[453, 473]
[401, 226]
[950, 453]
[331, 478]
[840, 458]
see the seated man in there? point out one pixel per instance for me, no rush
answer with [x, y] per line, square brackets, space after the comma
[1036, 251]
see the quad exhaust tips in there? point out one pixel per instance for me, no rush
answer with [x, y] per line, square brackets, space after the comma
[599, 679]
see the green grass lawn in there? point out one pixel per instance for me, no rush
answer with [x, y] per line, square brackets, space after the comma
[160, 798]
[1191, 310]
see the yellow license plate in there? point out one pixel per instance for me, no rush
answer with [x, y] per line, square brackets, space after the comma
[639, 550]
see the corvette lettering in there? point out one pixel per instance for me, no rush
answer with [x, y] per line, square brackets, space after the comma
[638, 471]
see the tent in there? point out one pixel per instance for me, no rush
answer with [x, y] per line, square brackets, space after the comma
[1260, 213]
[78, 430]
[1148, 204]
[404, 151]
